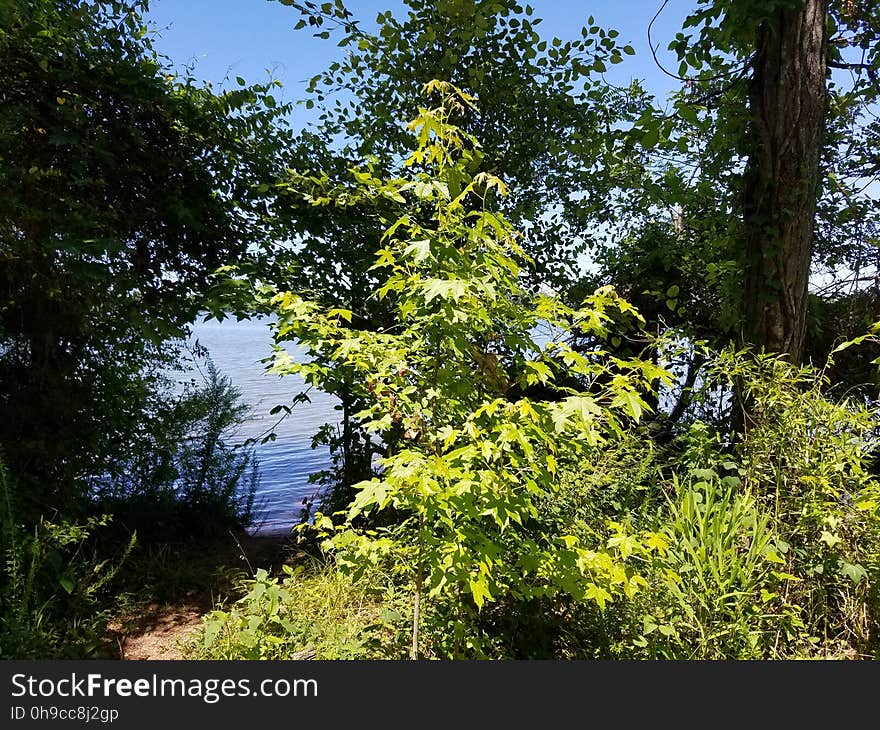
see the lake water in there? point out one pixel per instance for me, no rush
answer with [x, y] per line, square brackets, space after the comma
[285, 464]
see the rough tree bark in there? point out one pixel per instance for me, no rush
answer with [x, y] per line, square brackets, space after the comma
[787, 102]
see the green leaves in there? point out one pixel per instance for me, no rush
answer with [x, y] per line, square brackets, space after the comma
[651, 136]
[419, 250]
[479, 591]
[468, 463]
[856, 573]
[369, 495]
[126, 188]
[631, 403]
[493, 51]
[452, 289]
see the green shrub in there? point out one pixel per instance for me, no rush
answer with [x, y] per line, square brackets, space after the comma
[771, 543]
[53, 586]
[185, 478]
[309, 608]
[469, 462]
[809, 457]
[714, 590]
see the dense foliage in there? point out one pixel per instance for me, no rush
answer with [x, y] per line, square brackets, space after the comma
[468, 464]
[588, 344]
[510, 514]
[124, 189]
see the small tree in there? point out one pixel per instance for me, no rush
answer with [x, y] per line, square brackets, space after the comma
[468, 463]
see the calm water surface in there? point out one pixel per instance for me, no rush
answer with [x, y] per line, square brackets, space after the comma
[285, 464]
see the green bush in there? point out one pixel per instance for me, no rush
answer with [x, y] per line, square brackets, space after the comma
[715, 591]
[53, 585]
[309, 608]
[771, 543]
[467, 464]
[809, 458]
[184, 477]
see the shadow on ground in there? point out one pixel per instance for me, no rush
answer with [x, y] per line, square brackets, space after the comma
[179, 583]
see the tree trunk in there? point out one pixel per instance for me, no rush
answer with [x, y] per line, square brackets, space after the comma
[787, 104]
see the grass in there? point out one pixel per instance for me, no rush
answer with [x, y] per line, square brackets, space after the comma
[312, 607]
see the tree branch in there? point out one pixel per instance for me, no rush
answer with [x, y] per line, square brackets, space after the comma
[857, 67]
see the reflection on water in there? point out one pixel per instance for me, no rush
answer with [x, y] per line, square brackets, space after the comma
[285, 464]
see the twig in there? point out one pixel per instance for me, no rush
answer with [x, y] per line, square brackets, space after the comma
[308, 653]
[243, 553]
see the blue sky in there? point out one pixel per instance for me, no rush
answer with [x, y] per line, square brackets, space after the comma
[248, 37]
